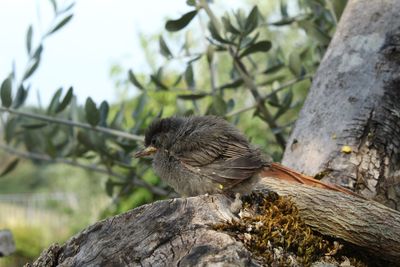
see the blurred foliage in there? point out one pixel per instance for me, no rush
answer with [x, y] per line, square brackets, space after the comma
[251, 66]
[37, 218]
[29, 244]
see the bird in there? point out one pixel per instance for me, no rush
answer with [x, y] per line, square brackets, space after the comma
[198, 155]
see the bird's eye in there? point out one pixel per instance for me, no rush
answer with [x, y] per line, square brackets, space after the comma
[155, 141]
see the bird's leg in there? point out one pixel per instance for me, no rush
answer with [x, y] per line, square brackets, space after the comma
[236, 204]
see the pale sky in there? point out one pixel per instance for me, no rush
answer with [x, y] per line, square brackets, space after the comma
[101, 33]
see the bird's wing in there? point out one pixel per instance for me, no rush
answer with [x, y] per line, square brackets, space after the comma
[225, 159]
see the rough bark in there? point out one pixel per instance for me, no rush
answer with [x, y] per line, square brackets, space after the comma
[179, 232]
[173, 232]
[355, 101]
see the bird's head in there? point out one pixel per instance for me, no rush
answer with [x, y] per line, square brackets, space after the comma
[159, 135]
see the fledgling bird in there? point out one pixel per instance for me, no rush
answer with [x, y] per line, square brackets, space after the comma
[206, 154]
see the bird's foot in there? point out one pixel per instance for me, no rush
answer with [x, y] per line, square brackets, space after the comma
[236, 204]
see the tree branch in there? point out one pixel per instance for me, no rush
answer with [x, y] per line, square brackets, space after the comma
[364, 223]
[74, 124]
[266, 115]
[43, 157]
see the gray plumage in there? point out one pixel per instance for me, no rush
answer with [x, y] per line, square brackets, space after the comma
[203, 154]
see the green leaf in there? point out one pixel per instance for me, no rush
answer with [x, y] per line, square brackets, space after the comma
[33, 126]
[54, 4]
[11, 166]
[283, 8]
[283, 22]
[69, 149]
[32, 68]
[9, 129]
[104, 109]
[55, 102]
[61, 24]
[38, 52]
[5, 92]
[182, 22]
[134, 80]
[20, 97]
[140, 105]
[157, 82]
[67, 8]
[248, 41]
[338, 7]
[110, 187]
[274, 68]
[178, 80]
[312, 30]
[164, 49]
[240, 19]
[29, 39]
[189, 77]
[273, 100]
[191, 2]
[216, 35]
[210, 53]
[34, 63]
[192, 96]
[92, 113]
[252, 20]
[295, 64]
[118, 119]
[282, 110]
[85, 140]
[232, 85]
[288, 98]
[65, 102]
[194, 59]
[230, 105]
[285, 105]
[262, 46]
[229, 27]
[218, 106]
[50, 148]
[277, 130]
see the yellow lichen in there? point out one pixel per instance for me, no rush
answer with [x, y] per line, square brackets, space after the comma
[346, 149]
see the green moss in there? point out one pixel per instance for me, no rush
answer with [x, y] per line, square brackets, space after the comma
[271, 228]
[322, 174]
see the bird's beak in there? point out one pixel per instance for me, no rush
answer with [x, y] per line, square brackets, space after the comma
[145, 152]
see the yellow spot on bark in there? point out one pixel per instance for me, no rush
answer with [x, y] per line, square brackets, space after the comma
[346, 149]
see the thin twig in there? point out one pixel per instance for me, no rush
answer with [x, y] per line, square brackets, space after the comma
[239, 66]
[280, 88]
[74, 124]
[210, 60]
[266, 115]
[203, 4]
[44, 157]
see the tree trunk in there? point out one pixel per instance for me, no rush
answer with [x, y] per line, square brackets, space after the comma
[355, 101]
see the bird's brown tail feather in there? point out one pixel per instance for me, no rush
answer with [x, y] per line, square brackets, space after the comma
[281, 172]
